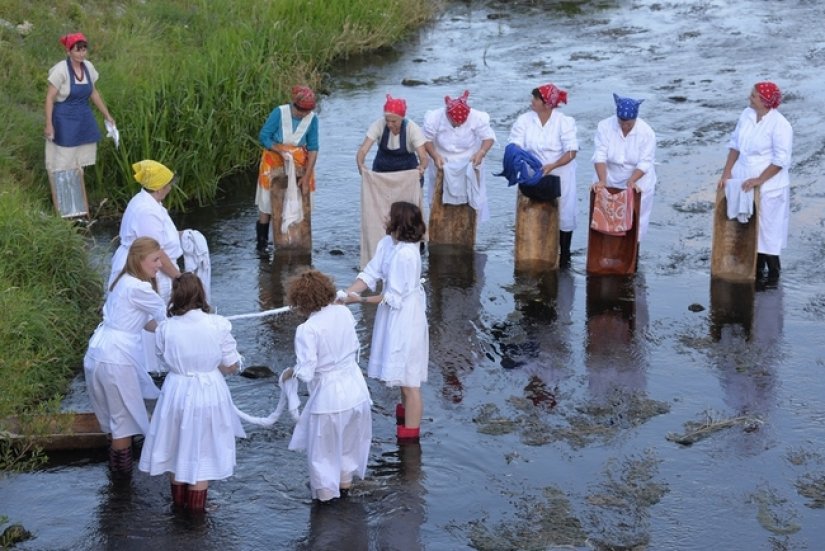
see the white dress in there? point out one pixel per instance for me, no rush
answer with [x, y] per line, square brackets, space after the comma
[335, 427]
[763, 143]
[623, 154]
[194, 424]
[457, 145]
[400, 349]
[113, 365]
[549, 142]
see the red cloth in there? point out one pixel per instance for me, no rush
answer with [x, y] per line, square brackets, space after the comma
[69, 40]
[612, 212]
[552, 95]
[395, 106]
[769, 94]
[303, 98]
[457, 109]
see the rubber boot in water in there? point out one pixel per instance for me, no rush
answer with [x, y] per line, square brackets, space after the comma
[761, 265]
[565, 238]
[400, 414]
[180, 494]
[196, 500]
[774, 267]
[120, 461]
[262, 234]
[406, 435]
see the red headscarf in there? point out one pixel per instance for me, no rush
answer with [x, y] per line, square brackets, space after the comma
[769, 94]
[552, 95]
[457, 109]
[69, 40]
[303, 98]
[395, 106]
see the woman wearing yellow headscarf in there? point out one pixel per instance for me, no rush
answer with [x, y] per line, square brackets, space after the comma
[145, 216]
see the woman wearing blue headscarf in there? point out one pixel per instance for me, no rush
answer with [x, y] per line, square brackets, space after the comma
[625, 154]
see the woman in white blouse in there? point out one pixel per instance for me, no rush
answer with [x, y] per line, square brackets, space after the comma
[760, 154]
[625, 155]
[550, 135]
[335, 427]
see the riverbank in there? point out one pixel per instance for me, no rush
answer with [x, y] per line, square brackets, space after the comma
[188, 84]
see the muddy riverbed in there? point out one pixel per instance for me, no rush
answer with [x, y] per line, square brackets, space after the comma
[555, 404]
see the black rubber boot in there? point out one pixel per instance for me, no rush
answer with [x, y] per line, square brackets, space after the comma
[761, 265]
[262, 234]
[565, 238]
[774, 267]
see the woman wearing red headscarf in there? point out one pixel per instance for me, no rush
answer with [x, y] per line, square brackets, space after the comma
[396, 173]
[71, 129]
[291, 129]
[760, 154]
[550, 135]
[459, 136]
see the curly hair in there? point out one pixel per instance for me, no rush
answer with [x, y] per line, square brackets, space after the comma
[406, 223]
[187, 294]
[140, 249]
[309, 290]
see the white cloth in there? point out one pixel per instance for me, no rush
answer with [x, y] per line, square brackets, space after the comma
[293, 205]
[113, 366]
[461, 186]
[458, 144]
[740, 203]
[622, 155]
[194, 424]
[112, 132]
[400, 350]
[196, 258]
[549, 142]
[760, 144]
[336, 425]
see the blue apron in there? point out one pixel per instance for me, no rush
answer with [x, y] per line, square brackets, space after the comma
[73, 120]
[394, 160]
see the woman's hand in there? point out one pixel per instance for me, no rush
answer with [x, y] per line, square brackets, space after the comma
[49, 131]
[287, 374]
[751, 183]
[597, 185]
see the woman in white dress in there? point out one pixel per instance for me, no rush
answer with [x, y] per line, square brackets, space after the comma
[760, 154]
[625, 155]
[400, 349]
[335, 427]
[113, 365]
[194, 424]
[550, 135]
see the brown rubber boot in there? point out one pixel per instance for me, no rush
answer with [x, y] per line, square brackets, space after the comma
[180, 495]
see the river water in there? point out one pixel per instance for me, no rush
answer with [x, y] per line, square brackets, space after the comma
[550, 398]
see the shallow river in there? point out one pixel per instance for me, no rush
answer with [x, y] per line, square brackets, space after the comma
[550, 399]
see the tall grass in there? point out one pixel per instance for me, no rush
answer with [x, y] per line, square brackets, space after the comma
[190, 82]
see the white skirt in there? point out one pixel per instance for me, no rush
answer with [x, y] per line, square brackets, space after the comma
[337, 445]
[774, 213]
[193, 429]
[115, 393]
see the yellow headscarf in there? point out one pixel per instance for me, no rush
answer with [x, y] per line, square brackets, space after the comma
[152, 175]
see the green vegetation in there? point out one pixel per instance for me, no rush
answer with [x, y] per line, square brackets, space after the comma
[189, 83]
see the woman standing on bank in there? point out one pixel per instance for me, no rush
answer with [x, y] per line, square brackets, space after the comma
[115, 377]
[760, 154]
[550, 135]
[71, 130]
[400, 349]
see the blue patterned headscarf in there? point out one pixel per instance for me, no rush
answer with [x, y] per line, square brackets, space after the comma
[627, 108]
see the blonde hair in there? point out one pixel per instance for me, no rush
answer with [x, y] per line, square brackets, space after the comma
[140, 249]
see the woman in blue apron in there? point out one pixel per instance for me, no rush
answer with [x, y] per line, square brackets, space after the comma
[397, 171]
[71, 130]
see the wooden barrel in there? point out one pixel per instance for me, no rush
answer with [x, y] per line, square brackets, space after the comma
[734, 246]
[537, 234]
[299, 236]
[450, 224]
[613, 254]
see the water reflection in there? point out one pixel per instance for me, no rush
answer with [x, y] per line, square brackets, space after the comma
[749, 350]
[617, 317]
[455, 278]
[337, 526]
[731, 308]
[403, 510]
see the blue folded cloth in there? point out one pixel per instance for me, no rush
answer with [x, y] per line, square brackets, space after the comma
[520, 166]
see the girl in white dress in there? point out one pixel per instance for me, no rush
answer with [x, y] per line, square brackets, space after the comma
[194, 424]
[335, 427]
[400, 349]
[113, 365]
